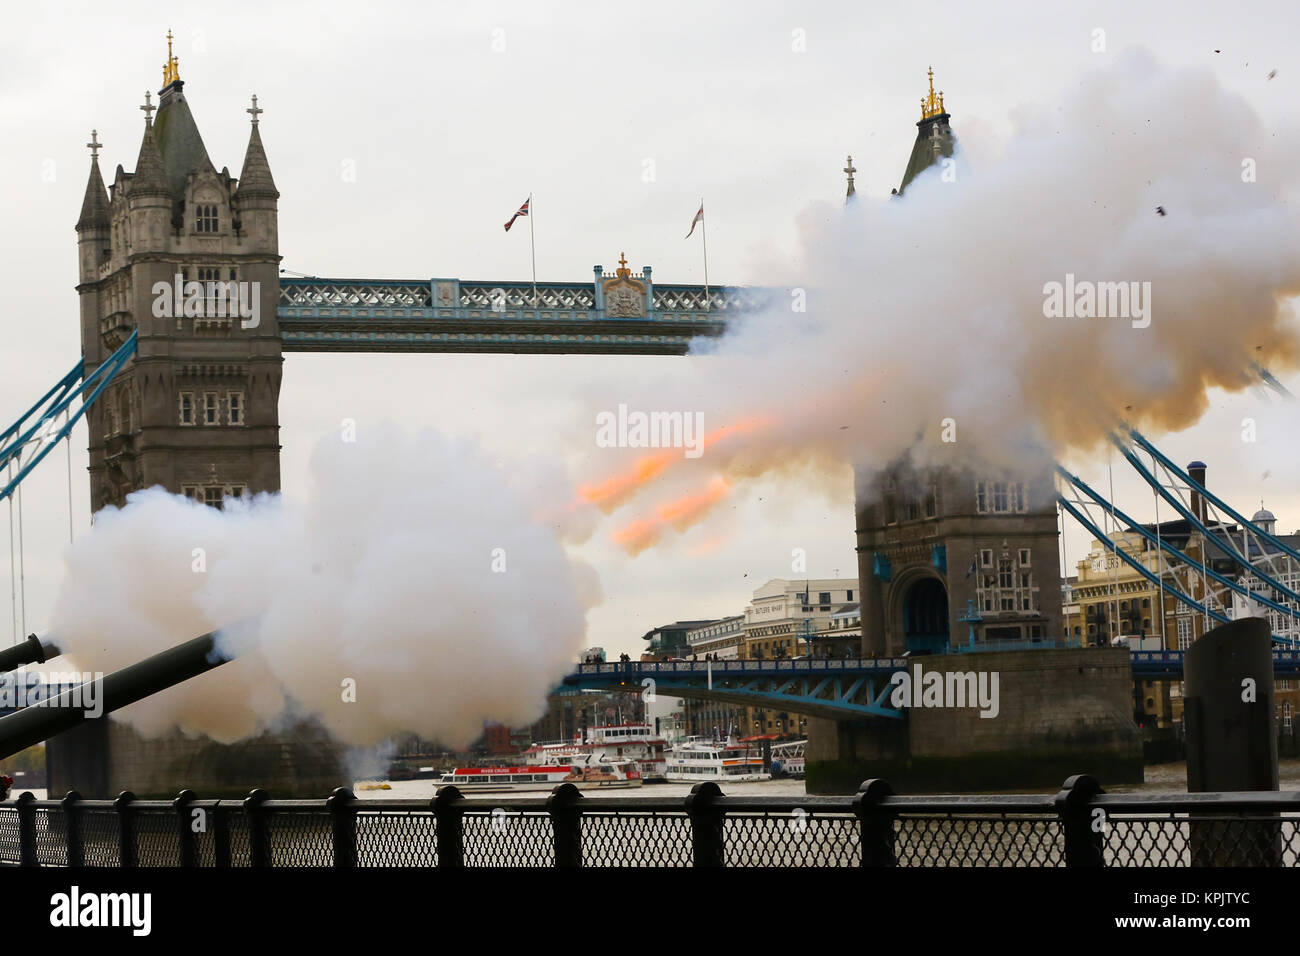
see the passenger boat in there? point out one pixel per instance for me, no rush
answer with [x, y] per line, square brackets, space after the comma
[584, 773]
[614, 743]
[699, 758]
[788, 758]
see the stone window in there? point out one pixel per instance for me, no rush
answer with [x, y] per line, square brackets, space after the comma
[1000, 497]
[205, 218]
[235, 408]
[187, 408]
[212, 496]
[1024, 557]
[210, 411]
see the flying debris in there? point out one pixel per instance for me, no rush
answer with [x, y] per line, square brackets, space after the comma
[1160, 210]
[1271, 74]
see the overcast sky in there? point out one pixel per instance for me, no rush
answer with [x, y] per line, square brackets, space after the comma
[618, 118]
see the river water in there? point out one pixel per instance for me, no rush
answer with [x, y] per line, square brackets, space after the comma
[1160, 777]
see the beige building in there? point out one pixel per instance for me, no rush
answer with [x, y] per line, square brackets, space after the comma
[790, 617]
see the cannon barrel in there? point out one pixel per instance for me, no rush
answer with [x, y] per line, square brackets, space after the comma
[30, 651]
[122, 687]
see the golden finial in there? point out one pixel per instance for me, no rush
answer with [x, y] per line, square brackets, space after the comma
[623, 270]
[171, 69]
[931, 105]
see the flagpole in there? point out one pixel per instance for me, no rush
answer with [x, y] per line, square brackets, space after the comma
[704, 233]
[532, 247]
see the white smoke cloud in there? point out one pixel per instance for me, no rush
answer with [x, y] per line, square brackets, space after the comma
[382, 574]
[930, 307]
[921, 309]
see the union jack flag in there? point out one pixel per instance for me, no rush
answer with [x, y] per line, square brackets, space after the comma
[522, 211]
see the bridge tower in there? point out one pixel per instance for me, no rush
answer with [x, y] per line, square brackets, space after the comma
[950, 553]
[188, 256]
[935, 541]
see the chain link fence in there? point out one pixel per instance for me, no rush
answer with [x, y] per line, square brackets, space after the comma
[1079, 826]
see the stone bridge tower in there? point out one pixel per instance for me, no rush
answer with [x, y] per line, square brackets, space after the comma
[188, 257]
[947, 554]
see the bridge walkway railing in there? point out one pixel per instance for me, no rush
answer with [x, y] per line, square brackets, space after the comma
[705, 828]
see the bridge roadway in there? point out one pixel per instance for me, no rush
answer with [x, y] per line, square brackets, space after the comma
[611, 315]
[851, 687]
[824, 688]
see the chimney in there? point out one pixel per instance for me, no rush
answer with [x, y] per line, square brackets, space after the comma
[1196, 470]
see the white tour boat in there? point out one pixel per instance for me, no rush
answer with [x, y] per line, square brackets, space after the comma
[614, 743]
[699, 758]
[583, 773]
[788, 758]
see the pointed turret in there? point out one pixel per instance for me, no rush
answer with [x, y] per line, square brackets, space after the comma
[150, 178]
[933, 136]
[849, 170]
[94, 208]
[255, 178]
[178, 136]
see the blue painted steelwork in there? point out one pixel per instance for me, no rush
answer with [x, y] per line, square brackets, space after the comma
[970, 616]
[66, 390]
[838, 689]
[1178, 554]
[1124, 556]
[829, 688]
[1168, 665]
[1233, 553]
[880, 566]
[451, 315]
[1217, 502]
[1039, 644]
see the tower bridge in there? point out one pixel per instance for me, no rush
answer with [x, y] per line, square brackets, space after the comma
[453, 315]
[188, 400]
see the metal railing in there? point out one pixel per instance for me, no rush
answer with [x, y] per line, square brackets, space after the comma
[1079, 826]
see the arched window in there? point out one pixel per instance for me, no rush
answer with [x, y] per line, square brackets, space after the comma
[205, 218]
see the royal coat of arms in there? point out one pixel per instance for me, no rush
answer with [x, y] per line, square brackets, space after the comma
[624, 296]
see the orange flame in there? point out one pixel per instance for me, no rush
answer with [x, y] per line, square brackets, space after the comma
[680, 514]
[613, 491]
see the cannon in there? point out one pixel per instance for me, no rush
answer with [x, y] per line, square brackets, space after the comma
[31, 651]
[122, 687]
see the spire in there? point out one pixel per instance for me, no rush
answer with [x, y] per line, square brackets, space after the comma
[94, 208]
[849, 170]
[934, 137]
[178, 139]
[171, 69]
[150, 177]
[255, 178]
[930, 105]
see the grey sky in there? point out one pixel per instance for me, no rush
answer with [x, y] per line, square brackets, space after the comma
[451, 115]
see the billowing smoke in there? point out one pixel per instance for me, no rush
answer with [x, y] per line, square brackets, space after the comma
[927, 315]
[414, 570]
